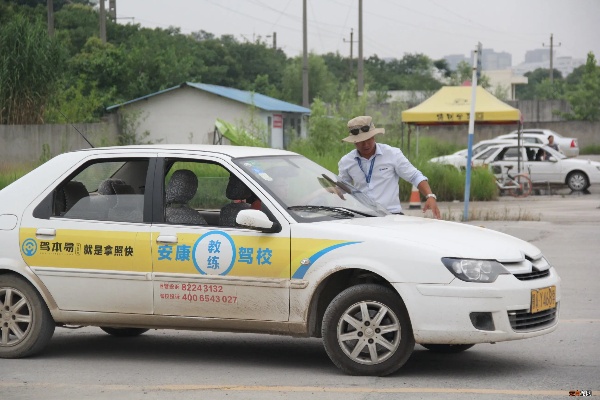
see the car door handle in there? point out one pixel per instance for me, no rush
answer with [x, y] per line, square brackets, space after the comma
[45, 233]
[166, 239]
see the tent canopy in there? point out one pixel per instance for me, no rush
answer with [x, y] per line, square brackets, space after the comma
[452, 105]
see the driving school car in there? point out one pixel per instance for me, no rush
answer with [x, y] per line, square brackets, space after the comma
[243, 239]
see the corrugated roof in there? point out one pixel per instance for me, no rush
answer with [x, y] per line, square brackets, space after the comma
[243, 96]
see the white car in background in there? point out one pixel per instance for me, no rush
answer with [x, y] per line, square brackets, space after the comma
[544, 165]
[568, 146]
[459, 159]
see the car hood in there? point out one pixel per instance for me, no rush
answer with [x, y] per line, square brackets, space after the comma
[451, 239]
[581, 162]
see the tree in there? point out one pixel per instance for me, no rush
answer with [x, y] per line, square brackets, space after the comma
[585, 96]
[321, 83]
[536, 77]
[31, 64]
[464, 73]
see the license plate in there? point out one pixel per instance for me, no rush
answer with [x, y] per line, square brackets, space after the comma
[543, 299]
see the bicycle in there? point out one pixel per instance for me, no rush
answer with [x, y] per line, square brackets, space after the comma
[517, 185]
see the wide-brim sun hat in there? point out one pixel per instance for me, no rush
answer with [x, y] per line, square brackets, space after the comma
[361, 129]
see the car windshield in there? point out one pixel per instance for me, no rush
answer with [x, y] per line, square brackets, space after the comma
[554, 153]
[307, 190]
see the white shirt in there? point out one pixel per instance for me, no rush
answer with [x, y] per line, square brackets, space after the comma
[381, 171]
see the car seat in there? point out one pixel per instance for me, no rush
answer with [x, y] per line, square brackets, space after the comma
[68, 195]
[180, 190]
[238, 192]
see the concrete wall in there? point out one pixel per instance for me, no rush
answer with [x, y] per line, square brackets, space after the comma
[23, 144]
[587, 133]
[543, 114]
[541, 110]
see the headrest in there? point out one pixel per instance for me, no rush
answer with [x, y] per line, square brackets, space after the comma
[107, 186]
[182, 187]
[236, 189]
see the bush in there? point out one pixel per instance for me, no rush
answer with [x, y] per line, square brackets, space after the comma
[590, 149]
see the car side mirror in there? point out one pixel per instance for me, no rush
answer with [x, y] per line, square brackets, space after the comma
[552, 159]
[257, 220]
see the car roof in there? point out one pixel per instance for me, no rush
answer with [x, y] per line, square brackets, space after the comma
[227, 150]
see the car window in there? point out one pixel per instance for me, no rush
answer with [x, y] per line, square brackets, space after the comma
[308, 191]
[485, 154]
[508, 154]
[198, 192]
[103, 190]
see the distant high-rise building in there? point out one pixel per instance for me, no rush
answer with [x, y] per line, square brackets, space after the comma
[454, 59]
[537, 56]
[565, 65]
[491, 60]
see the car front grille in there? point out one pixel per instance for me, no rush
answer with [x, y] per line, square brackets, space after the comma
[535, 274]
[524, 321]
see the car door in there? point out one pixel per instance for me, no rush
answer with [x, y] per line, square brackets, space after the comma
[90, 248]
[544, 170]
[204, 269]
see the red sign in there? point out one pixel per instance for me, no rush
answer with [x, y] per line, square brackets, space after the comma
[277, 121]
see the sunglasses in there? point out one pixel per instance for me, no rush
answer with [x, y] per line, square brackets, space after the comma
[365, 128]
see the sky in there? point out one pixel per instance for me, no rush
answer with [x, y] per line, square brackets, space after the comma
[391, 28]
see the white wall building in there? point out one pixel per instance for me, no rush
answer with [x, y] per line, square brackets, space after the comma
[505, 81]
[187, 114]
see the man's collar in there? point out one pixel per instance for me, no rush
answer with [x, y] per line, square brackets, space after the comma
[378, 151]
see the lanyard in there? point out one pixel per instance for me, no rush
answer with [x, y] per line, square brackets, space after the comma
[367, 177]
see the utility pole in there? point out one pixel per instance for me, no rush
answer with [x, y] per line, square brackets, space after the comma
[351, 46]
[102, 21]
[112, 10]
[274, 36]
[304, 57]
[552, 45]
[50, 5]
[361, 82]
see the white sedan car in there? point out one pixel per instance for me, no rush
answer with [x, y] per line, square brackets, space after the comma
[544, 165]
[459, 159]
[245, 239]
[568, 146]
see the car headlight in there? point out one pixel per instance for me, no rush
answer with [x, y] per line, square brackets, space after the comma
[482, 271]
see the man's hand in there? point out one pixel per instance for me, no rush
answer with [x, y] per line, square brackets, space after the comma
[431, 204]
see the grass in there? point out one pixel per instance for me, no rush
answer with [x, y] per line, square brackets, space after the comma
[590, 149]
[10, 173]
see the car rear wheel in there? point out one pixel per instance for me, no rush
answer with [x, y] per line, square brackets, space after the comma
[123, 332]
[447, 348]
[577, 181]
[26, 325]
[366, 331]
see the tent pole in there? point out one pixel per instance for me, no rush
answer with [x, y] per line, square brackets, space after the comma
[408, 149]
[402, 135]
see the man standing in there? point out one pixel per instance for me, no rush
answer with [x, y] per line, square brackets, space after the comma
[552, 145]
[374, 168]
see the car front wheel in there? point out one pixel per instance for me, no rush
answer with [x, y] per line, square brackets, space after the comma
[366, 331]
[26, 325]
[577, 181]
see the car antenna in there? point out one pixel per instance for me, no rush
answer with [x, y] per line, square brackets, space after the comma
[74, 127]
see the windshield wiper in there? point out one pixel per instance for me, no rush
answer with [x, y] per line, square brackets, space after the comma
[338, 210]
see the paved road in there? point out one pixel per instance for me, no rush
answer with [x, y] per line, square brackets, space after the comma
[88, 364]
